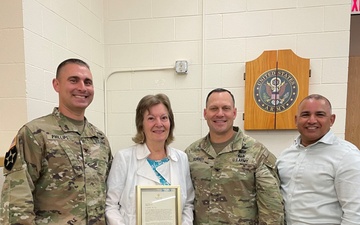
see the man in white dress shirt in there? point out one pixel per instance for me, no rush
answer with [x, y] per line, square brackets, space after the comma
[319, 172]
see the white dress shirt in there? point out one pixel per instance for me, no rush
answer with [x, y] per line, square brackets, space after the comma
[320, 183]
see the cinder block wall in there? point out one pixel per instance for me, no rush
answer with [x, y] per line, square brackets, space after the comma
[35, 36]
[217, 38]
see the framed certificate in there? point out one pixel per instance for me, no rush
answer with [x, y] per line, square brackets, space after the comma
[158, 205]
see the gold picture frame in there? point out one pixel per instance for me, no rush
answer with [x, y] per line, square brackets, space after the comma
[158, 204]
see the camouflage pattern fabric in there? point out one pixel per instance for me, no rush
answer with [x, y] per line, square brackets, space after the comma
[58, 176]
[239, 185]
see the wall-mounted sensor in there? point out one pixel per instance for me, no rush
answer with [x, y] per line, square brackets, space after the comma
[181, 66]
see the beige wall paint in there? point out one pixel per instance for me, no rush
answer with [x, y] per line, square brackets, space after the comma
[35, 36]
[215, 37]
[13, 111]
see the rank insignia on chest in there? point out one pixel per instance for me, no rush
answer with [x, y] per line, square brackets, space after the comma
[10, 156]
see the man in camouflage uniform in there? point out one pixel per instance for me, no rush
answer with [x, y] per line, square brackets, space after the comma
[56, 168]
[234, 175]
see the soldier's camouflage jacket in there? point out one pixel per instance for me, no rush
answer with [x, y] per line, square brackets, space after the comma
[239, 185]
[55, 175]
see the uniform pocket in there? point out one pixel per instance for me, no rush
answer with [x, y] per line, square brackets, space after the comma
[73, 158]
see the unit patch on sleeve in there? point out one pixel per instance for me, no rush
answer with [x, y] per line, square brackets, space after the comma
[10, 156]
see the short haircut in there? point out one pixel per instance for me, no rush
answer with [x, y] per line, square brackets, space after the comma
[218, 90]
[70, 61]
[317, 97]
[144, 105]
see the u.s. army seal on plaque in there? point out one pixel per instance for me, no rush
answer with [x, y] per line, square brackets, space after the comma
[276, 90]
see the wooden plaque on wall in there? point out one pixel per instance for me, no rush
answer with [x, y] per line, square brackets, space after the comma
[275, 83]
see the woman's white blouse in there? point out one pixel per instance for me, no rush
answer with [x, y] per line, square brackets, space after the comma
[130, 168]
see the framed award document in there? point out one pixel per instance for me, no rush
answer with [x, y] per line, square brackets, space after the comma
[158, 205]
